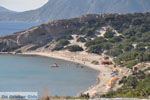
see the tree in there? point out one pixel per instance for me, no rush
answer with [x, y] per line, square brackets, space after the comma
[115, 52]
[98, 49]
[127, 47]
[109, 34]
[130, 63]
[81, 39]
[116, 39]
[60, 44]
[131, 82]
[68, 37]
[74, 48]
[137, 21]
[96, 41]
[129, 33]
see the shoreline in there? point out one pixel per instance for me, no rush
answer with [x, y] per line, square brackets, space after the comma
[92, 89]
[104, 70]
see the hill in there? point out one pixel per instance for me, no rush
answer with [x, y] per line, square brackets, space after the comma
[125, 38]
[2, 9]
[72, 8]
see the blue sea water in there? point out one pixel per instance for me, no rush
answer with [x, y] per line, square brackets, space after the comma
[33, 73]
[11, 27]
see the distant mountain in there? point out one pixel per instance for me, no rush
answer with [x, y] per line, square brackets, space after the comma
[60, 9]
[2, 9]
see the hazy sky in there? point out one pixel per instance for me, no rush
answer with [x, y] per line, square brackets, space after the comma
[22, 5]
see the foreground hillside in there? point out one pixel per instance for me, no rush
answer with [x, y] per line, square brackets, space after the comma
[60, 9]
[126, 38]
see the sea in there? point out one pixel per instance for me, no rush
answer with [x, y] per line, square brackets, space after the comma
[20, 73]
[12, 27]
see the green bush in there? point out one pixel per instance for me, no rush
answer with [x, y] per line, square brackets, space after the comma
[60, 44]
[132, 88]
[137, 21]
[115, 52]
[89, 32]
[74, 48]
[81, 39]
[129, 33]
[98, 49]
[123, 80]
[63, 42]
[142, 49]
[116, 39]
[96, 41]
[130, 63]
[109, 34]
[58, 47]
[68, 37]
[127, 47]
[107, 45]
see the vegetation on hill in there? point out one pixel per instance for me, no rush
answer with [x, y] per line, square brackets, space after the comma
[130, 47]
[60, 44]
[68, 37]
[109, 34]
[81, 39]
[135, 86]
[74, 48]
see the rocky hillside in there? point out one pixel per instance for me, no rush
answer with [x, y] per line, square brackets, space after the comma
[38, 36]
[86, 28]
[60, 9]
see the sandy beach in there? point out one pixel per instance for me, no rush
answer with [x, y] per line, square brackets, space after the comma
[85, 59]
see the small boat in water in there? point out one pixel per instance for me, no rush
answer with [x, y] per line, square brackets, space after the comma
[54, 66]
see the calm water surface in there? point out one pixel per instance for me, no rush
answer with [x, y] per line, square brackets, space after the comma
[11, 27]
[33, 73]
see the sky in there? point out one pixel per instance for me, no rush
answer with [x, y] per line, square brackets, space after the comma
[22, 5]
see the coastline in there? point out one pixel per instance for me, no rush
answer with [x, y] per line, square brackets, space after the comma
[84, 59]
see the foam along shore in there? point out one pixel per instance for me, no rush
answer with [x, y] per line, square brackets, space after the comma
[85, 59]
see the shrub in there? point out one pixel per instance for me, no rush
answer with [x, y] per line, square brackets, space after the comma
[127, 47]
[142, 49]
[81, 39]
[58, 47]
[89, 32]
[116, 39]
[137, 21]
[115, 52]
[130, 63]
[68, 37]
[74, 48]
[109, 34]
[129, 33]
[96, 41]
[61, 43]
[98, 49]
[123, 80]
[107, 45]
